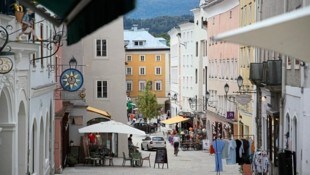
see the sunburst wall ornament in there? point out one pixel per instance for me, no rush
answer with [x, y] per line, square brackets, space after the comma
[71, 80]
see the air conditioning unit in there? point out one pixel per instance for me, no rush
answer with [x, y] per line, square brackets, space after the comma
[256, 73]
[274, 73]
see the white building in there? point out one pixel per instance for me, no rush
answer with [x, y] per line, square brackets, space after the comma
[183, 67]
[26, 102]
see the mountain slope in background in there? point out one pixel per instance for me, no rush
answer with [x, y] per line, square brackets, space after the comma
[155, 8]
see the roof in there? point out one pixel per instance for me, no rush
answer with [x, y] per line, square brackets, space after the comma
[151, 42]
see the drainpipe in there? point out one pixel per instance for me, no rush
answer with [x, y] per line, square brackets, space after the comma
[283, 92]
[28, 130]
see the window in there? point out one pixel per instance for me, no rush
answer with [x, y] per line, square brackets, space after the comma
[102, 89]
[288, 63]
[142, 85]
[101, 48]
[297, 64]
[142, 70]
[196, 49]
[157, 58]
[129, 58]
[142, 58]
[138, 43]
[129, 85]
[157, 85]
[196, 76]
[157, 71]
[128, 70]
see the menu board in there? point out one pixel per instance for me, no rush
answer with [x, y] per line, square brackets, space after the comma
[161, 157]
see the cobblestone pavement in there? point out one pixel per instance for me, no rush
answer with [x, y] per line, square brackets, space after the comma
[187, 163]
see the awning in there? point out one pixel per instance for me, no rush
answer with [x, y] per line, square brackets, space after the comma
[82, 17]
[98, 111]
[176, 119]
[288, 34]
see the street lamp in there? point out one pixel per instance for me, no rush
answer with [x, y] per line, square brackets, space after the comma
[226, 89]
[174, 97]
[240, 85]
[240, 82]
[73, 62]
[193, 101]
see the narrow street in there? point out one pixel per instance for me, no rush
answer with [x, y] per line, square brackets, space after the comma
[187, 162]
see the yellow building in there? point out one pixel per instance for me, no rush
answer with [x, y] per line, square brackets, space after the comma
[247, 55]
[147, 59]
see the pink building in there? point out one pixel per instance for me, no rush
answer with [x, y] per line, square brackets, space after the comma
[222, 65]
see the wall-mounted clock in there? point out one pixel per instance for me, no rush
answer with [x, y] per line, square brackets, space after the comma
[71, 80]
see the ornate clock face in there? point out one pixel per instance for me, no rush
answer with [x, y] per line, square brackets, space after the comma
[6, 65]
[71, 80]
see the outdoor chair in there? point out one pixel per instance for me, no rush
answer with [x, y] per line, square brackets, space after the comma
[90, 158]
[110, 159]
[136, 159]
[126, 159]
[146, 158]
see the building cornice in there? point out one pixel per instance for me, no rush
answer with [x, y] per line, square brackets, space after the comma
[43, 89]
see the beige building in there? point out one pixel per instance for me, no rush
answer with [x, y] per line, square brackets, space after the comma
[100, 58]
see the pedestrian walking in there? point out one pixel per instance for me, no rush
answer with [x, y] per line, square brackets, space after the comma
[176, 143]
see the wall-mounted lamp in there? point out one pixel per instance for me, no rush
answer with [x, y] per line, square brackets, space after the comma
[73, 62]
[242, 89]
[193, 102]
[174, 97]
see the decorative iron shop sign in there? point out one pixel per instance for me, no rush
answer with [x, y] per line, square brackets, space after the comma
[71, 80]
[243, 99]
[6, 65]
[230, 115]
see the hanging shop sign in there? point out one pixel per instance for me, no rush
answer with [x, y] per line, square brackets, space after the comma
[71, 80]
[6, 65]
[230, 115]
[243, 99]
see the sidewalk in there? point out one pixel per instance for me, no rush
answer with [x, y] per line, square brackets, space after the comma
[187, 163]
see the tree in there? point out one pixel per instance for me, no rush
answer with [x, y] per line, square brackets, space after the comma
[147, 103]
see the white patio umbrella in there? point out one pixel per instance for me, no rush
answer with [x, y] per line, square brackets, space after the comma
[111, 127]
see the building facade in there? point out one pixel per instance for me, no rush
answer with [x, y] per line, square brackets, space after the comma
[27, 85]
[147, 59]
[223, 67]
[99, 58]
[246, 56]
[283, 108]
